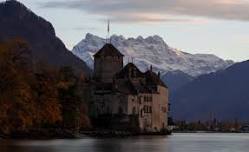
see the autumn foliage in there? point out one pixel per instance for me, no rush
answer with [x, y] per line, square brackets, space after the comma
[35, 95]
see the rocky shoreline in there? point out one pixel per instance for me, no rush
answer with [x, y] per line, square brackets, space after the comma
[41, 134]
[116, 133]
[185, 131]
[69, 134]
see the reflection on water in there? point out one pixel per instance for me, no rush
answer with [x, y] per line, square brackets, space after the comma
[174, 143]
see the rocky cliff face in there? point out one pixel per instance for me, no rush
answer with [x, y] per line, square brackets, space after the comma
[152, 51]
[18, 21]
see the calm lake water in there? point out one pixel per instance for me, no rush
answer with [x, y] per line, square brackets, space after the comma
[175, 143]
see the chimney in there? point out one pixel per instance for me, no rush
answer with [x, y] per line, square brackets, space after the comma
[150, 68]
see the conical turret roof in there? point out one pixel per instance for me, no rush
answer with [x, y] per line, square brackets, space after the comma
[108, 50]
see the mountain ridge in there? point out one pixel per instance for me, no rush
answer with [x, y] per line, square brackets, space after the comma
[154, 51]
[176, 79]
[223, 94]
[17, 20]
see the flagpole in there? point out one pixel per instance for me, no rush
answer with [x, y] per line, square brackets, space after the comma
[108, 31]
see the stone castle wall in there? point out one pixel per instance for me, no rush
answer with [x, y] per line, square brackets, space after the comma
[106, 67]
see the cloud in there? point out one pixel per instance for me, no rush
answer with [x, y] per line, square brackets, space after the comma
[84, 28]
[147, 18]
[158, 10]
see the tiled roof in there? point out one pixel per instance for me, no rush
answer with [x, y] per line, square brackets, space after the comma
[146, 82]
[125, 87]
[130, 70]
[108, 50]
[153, 79]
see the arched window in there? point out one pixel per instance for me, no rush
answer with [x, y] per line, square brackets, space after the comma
[133, 110]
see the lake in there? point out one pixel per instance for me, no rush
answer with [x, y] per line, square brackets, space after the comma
[178, 142]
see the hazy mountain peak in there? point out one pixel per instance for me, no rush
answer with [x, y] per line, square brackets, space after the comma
[139, 37]
[154, 51]
[155, 39]
[91, 36]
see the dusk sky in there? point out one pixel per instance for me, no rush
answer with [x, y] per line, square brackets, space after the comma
[220, 27]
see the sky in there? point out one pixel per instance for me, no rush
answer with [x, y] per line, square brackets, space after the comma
[219, 27]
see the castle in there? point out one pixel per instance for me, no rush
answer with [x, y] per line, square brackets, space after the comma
[123, 97]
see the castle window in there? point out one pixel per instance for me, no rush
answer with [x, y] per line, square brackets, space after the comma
[139, 100]
[133, 110]
[141, 113]
[164, 109]
[147, 99]
[147, 109]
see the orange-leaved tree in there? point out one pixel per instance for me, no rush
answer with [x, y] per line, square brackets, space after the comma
[16, 100]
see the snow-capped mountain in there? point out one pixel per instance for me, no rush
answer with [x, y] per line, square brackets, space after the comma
[152, 51]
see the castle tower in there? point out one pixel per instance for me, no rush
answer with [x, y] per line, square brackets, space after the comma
[107, 62]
